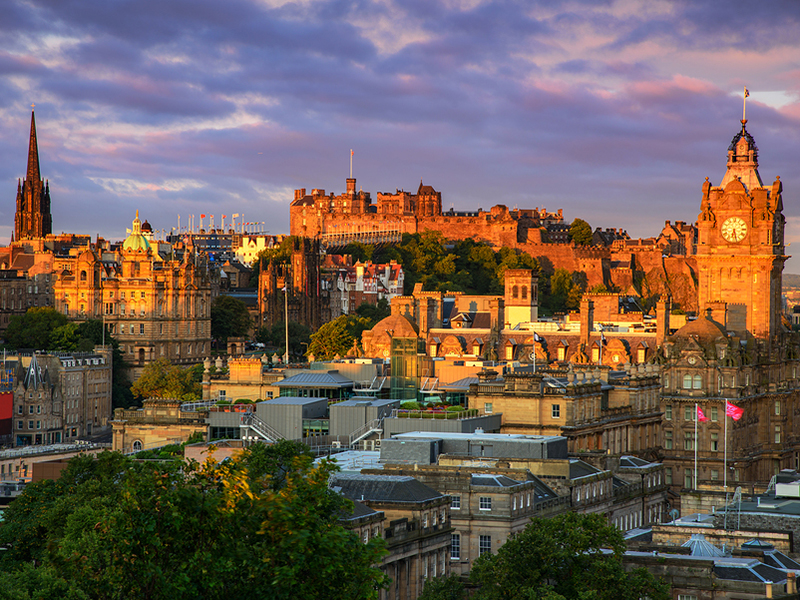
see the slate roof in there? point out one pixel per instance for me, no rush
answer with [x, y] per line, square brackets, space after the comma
[632, 462]
[383, 488]
[316, 379]
[779, 560]
[493, 480]
[462, 385]
[752, 571]
[579, 468]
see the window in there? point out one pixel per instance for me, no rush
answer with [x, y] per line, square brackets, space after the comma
[777, 434]
[137, 445]
[687, 597]
[668, 475]
[484, 545]
[688, 413]
[697, 382]
[141, 328]
[487, 408]
[485, 503]
[514, 504]
[687, 382]
[366, 536]
[714, 475]
[455, 502]
[668, 440]
[424, 520]
[714, 414]
[20, 424]
[30, 409]
[455, 546]
[668, 412]
[688, 440]
[19, 409]
[687, 478]
[777, 407]
[555, 411]
[715, 442]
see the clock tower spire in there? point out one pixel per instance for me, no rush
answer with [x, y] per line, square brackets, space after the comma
[740, 251]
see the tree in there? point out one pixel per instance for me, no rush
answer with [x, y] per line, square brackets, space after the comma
[374, 312]
[331, 339]
[260, 525]
[161, 379]
[580, 232]
[34, 329]
[568, 556]
[229, 318]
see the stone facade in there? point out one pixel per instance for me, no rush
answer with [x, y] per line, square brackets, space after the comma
[155, 303]
[32, 218]
[59, 398]
[160, 422]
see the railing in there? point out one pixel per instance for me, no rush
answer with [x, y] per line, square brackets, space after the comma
[26, 451]
[375, 385]
[400, 413]
[260, 427]
[195, 406]
[365, 430]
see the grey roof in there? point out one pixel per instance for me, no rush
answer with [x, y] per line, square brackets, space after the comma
[316, 379]
[359, 510]
[367, 401]
[293, 400]
[754, 571]
[462, 385]
[383, 488]
[633, 462]
[493, 480]
[579, 468]
[700, 547]
[779, 560]
[756, 544]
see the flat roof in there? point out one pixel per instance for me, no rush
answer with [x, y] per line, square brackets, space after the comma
[316, 379]
[489, 437]
[293, 400]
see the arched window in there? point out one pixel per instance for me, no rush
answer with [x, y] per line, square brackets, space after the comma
[83, 275]
[524, 292]
[687, 382]
[137, 446]
[697, 382]
[515, 292]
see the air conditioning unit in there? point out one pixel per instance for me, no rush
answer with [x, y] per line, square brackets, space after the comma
[336, 444]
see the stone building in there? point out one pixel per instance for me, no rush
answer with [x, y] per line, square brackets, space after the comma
[61, 397]
[418, 534]
[296, 286]
[158, 423]
[33, 219]
[155, 303]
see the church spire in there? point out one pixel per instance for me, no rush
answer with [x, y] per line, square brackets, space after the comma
[33, 173]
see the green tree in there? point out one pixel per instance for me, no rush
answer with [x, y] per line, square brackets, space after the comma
[443, 588]
[35, 328]
[229, 318]
[337, 336]
[261, 525]
[374, 312]
[565, 557]
[580, 232]
[161, 379]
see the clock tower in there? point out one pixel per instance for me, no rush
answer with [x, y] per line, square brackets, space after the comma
[740, 251]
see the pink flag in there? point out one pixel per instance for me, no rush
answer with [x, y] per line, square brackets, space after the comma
[733, 411]
[700, 414]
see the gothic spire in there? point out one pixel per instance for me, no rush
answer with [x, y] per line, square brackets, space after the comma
[33, 155]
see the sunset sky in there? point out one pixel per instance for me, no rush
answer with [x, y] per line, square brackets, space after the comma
[614, 111]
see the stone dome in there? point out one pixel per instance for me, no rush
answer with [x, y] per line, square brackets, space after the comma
[705, 330]
[136, 241]
[146, 227]
[398, 325]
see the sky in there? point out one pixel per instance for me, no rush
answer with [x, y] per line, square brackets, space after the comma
[614, 111]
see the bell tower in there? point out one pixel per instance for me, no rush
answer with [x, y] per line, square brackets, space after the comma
[32, 219]
[740, 251]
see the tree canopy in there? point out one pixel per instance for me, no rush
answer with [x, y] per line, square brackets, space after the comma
[337, 336]
[229, 318]
[580, 232]
[161, 379]
[568, 557]
[299, 337]
[36, 328]
[260, 525]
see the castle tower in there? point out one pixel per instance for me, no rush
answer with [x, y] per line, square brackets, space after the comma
[740, 250]
[521, 296]
[32, 219]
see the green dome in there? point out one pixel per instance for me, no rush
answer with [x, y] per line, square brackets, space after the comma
[136, 241]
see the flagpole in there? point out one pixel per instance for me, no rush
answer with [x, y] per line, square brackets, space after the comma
[286, 318]
[744, 103]
[695, 445]
[725, 454]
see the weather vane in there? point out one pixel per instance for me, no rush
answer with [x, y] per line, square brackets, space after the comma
[32, 106]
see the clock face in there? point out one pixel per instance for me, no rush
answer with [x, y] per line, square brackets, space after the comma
[734, 229]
